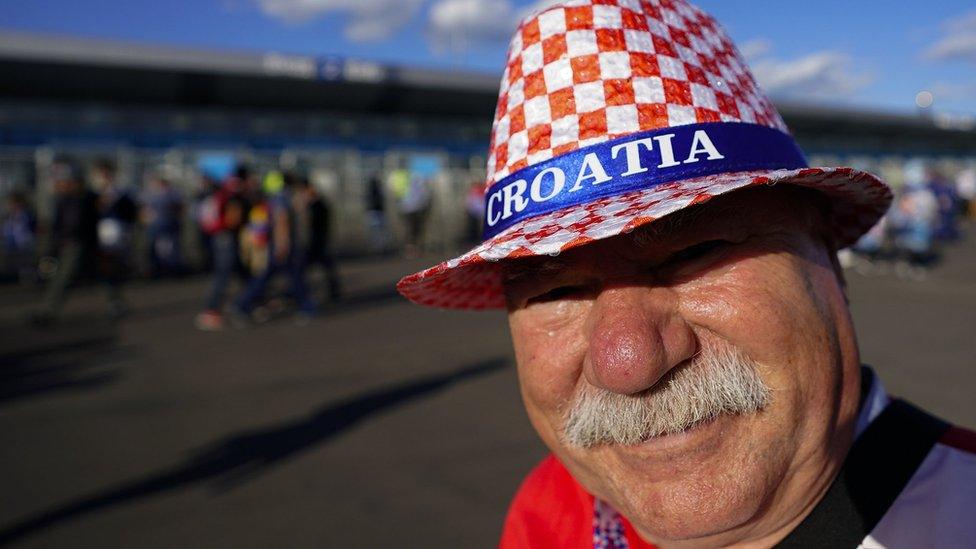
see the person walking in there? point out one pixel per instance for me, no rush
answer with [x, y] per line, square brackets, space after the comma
[314, 224]
[221, 217]
[914, 218]
[117, 213]
[73, 241]
[474, 209]
[20, 237]
[414, 207]
[379, 231]
[163, 214]
[282, 253]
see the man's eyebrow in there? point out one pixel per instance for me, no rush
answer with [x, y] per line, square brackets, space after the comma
[517, 271]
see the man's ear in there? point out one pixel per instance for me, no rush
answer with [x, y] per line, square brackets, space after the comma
[820, 223]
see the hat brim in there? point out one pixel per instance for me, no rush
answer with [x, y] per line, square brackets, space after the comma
[473, 280]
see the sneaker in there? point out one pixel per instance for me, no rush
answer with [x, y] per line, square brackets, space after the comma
[209, 321]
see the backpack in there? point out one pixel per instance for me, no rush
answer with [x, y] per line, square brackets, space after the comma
[208, 214]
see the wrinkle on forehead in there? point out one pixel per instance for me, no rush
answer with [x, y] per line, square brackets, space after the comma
[682, 224]
[515, 271]
[765, 209]
[660, 235]
[731, 215]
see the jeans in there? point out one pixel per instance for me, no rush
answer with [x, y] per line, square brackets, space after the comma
[74, 259]
[224, 246]
[71, 259]
[294, 265]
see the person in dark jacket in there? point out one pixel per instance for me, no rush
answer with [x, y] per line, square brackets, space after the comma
[379, 232]
[74, 239]
[117, 214]
[163, 215]
[315, 233]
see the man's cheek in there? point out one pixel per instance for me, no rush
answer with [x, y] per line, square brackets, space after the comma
[548, 368]
[758, 315]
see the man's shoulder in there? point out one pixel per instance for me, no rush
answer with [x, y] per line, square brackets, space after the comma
[935, 507]
[550, 509]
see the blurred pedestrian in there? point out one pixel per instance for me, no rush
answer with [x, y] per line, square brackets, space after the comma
[945, 195]
[966, 188]
[314, 225]
[414, 208]
[867, 256]
[379, 232]
[474, 208]
[117, 214]
[205, 214]
[20, 236]
[163, 215]
[74, 238]
[277, 211]
[252, 251]
[913, 221]
[221, 218]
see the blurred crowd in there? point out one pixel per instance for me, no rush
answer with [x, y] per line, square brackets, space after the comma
[250, 226]
[259, 234]
[924, 218]
[258, 228]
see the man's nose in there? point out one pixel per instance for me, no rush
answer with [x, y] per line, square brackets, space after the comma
[635, 337]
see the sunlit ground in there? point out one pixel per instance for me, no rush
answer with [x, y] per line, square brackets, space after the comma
[379, 424]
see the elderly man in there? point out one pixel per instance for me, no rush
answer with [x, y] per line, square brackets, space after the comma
[683, 341]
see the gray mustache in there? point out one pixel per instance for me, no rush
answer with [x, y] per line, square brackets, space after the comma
[717, 381]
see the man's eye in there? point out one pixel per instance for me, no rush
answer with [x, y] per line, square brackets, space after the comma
[680, 262]
[698, 250]
[555, 294]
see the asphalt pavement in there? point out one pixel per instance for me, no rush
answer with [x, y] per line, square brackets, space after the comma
[378, 424]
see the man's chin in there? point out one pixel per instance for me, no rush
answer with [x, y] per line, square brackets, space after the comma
[683, 485]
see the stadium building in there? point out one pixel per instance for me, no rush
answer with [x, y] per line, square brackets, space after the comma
[342, 120]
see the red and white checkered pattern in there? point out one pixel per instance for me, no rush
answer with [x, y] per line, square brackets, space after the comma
[588, 71]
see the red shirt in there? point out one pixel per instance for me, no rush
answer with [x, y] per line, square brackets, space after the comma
[551, 510]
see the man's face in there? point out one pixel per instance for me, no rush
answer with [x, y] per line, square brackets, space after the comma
[737, 297]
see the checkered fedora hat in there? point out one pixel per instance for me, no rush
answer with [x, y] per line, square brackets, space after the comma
[614, 113]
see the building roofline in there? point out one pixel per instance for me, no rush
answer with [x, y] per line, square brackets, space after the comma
[29, 47]
[60, 49]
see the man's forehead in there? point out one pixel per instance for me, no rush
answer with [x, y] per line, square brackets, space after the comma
[727, 216]
[655, 239]
[733, 213]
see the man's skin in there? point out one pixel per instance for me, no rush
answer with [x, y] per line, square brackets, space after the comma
[620, 313]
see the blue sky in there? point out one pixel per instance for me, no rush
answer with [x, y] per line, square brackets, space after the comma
[871, 53]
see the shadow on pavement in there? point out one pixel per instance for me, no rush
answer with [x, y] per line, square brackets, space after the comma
[44, 362]
[230, 462]
[373, 296]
